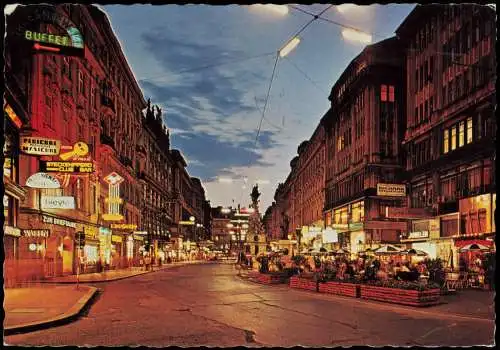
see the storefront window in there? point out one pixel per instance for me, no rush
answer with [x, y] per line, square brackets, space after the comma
[449, 227]
[358, 212]
[91, 254]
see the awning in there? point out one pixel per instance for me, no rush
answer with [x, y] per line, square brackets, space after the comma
[484, 242]
[388, 249]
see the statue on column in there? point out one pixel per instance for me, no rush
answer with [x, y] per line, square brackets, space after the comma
[255, 197]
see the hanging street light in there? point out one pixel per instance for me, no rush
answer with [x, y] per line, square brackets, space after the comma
[289, 46]
[356, 35]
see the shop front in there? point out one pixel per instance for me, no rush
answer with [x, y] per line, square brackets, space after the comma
[33, 255]
[105, 246]
[117, 251]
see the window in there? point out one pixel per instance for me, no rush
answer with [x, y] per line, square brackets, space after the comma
[80, 82]
[383, 93]
[391, 93]
[461, 134]
[469, 130]
[454, 138]
[48, 110]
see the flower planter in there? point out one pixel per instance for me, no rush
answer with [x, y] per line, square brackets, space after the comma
[339, 288]
[303, 283]
[401, 296]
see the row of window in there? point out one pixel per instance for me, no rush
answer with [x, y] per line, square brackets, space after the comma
[424, 74]
[458, 135]
[424, 111]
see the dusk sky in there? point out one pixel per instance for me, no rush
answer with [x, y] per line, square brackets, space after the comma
[213, 113]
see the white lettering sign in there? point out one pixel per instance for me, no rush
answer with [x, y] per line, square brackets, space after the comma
[42, 180]
[60, 222]
[58, 202]
[36, 233]
[418, 234]
[391, 190]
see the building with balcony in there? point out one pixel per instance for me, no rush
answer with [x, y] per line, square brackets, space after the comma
[450, 139]
[364, 128]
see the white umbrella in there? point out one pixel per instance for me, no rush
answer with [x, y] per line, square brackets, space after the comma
[414, 252]
[341, 251]
[388, 249]
[474, 247]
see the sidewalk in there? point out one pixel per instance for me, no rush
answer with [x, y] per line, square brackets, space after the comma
[29, 309]
[114, 275]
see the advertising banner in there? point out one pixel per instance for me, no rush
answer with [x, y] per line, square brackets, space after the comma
[57, 221]
[58, 202]
[35, 233]
[123, 226]
[391, 190]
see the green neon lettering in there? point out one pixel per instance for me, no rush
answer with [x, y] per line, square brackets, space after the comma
[28, 35]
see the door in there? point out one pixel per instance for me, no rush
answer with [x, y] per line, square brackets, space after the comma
[67, 256]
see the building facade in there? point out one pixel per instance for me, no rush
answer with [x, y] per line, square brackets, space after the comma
[364, 128]
[115, 188]
[450, 139]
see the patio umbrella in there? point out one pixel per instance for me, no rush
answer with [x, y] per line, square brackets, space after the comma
[416, 252]
[323, 250]
[388, 249]
[341, 251]
[474, 247]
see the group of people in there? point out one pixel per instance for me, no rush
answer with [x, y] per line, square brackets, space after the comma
[366, 268]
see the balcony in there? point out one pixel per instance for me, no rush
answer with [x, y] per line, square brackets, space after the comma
[107, 140]
[107, 104]
[126, 161]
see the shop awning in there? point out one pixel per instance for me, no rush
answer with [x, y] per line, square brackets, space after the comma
[474, 247]
[484, 242]
[388, 249]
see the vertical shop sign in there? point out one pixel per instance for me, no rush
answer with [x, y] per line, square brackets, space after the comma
[113, 200]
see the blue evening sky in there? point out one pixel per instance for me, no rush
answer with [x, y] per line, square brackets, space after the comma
[213, 113]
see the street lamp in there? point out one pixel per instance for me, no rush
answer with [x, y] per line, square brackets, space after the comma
[356, 35]
[289, 46]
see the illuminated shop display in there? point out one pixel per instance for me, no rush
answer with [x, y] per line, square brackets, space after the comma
[114, 201]
[105, 244]
[123, 226]
[35, 233]
[91, 253]
[13, 116]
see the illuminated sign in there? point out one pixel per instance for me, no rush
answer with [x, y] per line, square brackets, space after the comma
[186, 222]
[391, 190]
[67, 167]
[13, 116]
[340, 226]
[70, 44]
[76, 152]
[114, 180]
[140, 232]
[35, 233]
[58, 202]
[355, 226]
[116, 239]
[40, 146]
[11, 231]
[42, 180]
[123, 226]
[59, 222]
[418, 234]
[138, 238]
[330, 235]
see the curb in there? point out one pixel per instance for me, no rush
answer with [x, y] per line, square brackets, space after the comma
[71, 315]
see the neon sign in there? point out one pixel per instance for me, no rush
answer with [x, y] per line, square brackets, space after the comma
[114, 180]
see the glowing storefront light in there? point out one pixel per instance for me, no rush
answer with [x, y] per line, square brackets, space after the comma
[114, 180]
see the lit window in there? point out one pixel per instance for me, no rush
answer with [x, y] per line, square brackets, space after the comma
[391, 93]
[469, 130]
[454, 138]
[383, 93]
[446, 141]
[461, 134]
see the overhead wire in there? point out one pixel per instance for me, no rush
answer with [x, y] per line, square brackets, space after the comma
[305, 75]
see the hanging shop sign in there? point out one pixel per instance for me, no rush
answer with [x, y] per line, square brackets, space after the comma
[114, 201]
[186, 222]
[391, 190]
[59, 222]
[58, 202]
[70, 43]
[116, 239]
[11, 231]
[91, 232]
[77, 152]
[35, 233]
[67, 167]
[123, 226]
[42, 180]
[40, 146]
[344, 227]
[13, 116]
[418, 234]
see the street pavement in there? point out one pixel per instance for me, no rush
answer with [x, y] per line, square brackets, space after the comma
[208, 305]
